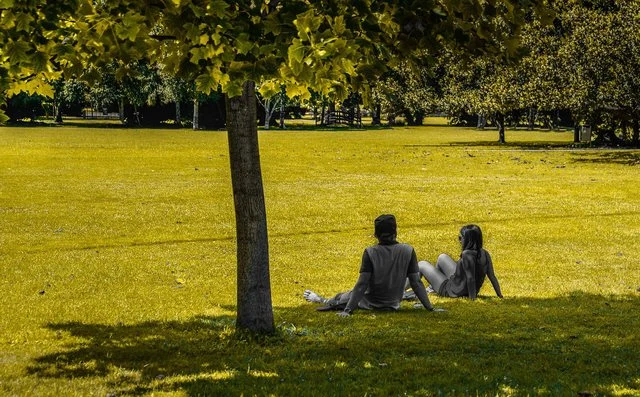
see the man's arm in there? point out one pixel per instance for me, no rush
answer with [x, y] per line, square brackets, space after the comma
[421, 292]
[357, 294]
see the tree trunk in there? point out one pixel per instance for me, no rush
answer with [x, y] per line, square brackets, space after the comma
[556, 120]
[625, 130]
[376, 115]
[196, 116]
[576, 133]
[500, 123]
[136, 113]
[255, 311]
[636, 132]
[58, 112]
[532, 118]
[282, 94]
[178, 115]
[482, 121]
[121, 110]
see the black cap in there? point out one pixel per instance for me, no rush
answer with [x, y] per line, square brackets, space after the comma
[385, 226]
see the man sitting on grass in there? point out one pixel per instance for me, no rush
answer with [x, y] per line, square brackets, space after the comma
[384, 270]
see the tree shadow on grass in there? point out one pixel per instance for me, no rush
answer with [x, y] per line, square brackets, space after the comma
[509, 146]
[518, 346]
[612, 156]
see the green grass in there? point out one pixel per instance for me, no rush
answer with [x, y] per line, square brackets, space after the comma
[118, 264]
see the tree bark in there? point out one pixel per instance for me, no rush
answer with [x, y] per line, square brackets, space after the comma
[255, 312]
[178, 115]
[58, 112]
[196, 115]
[576, 133]
[636, 132]
[375, 120]
[482, 121]
[121, 109]
[282, 95]
[531, 118]
[500, 123]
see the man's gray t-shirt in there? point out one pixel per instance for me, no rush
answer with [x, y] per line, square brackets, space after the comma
[389, 265]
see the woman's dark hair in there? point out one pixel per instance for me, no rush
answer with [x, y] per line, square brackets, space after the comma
[471, 237]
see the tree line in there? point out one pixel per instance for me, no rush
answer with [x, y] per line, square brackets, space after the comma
[583, 68]
[580, 69]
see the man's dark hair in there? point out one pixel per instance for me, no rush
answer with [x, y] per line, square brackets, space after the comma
[385, 227]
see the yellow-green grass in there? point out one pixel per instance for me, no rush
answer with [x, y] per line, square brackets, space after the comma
[118, 264]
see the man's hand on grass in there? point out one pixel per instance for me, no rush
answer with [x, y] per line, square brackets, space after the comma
[433, 309]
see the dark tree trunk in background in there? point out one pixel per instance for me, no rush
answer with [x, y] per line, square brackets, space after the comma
[58, 113]
[531, 118]
[555, 124]
[636, 132]
[255, 311]
[500, 124]
[178, 115]
[482, 121]
[282, 100]
[121, 109]
[576, 133]
[376, 115]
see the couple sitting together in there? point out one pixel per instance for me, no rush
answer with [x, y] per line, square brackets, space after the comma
[389, 268]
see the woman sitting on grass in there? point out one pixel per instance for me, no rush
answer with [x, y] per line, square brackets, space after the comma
[465, 277]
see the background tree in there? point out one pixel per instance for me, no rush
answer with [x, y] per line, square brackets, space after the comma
[175, 90]
[411, 91]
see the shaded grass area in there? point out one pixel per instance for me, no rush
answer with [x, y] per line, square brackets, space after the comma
[118, 260]
[201, 356]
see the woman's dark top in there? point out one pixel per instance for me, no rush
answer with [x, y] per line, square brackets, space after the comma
[469, 276]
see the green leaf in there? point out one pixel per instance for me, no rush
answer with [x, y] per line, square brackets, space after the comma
[17, 51]
[23, 22]
[269, 89]
[217, 7]
[338, 25]
[307, 22]
[205, 83]
[298, 90]
[233, 89]
[3, 117]
[296, 51]
[40, 61]
[243, 43]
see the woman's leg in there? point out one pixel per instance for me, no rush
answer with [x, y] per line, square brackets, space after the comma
[434, 276]
[446, 265]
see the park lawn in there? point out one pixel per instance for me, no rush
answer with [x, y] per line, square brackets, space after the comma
[118, 263]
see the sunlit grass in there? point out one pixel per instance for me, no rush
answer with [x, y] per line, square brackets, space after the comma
[118, 260]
